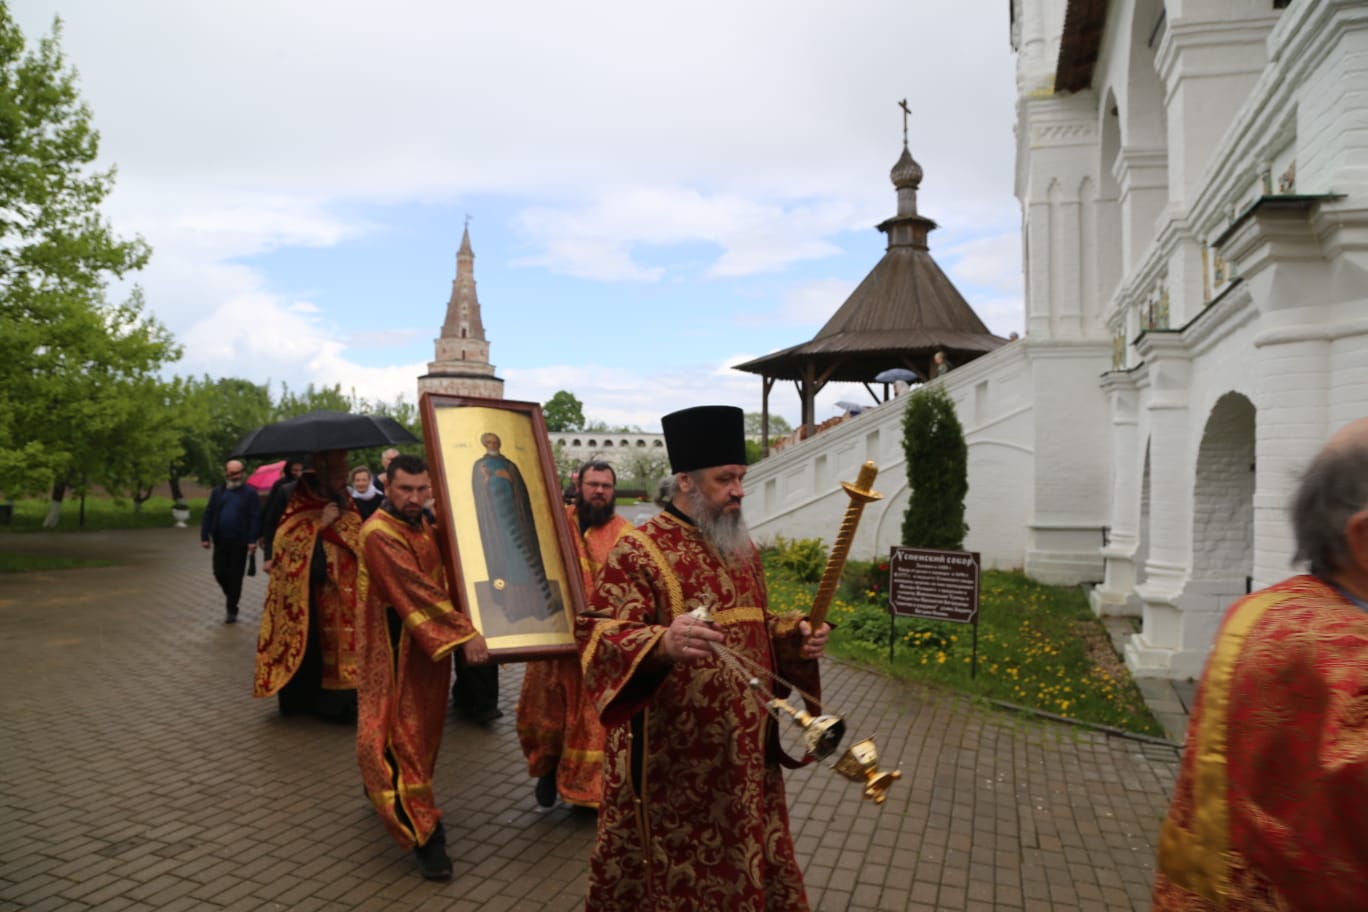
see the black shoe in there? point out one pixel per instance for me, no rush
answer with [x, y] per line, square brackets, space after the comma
[231, 618]
[485, 716]
[433, 862]
[546, 791]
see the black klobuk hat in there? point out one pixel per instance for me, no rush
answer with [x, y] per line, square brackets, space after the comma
[705, 436]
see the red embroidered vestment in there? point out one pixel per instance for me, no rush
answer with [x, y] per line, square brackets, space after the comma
[284, 633]
[701, 822]
[407, 629]
[559, 728]
[1272, 793]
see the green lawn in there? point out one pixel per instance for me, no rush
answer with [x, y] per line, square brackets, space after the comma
[1039, 646]
[101, 513]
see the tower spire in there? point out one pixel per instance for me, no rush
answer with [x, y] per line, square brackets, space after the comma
[461, 365]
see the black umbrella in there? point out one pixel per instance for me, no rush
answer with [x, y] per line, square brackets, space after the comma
[322, 430]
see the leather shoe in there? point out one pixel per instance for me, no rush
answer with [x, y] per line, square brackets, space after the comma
[546, 791]
[433, 862]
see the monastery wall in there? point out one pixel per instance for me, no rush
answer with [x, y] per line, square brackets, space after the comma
[797, 492]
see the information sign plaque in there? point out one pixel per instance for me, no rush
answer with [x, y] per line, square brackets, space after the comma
[937, 585]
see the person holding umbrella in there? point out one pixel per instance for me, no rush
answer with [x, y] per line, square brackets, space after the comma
[307, 644]
[306, 649]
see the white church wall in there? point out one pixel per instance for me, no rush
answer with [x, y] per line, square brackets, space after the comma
[796, 493]
[1253, 103]
[1324, 46]
[1072, 468]
[1250, 352]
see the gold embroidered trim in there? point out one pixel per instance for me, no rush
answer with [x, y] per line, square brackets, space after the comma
[741, 614]
[1200, 861]
[673, 589]
[433, 612]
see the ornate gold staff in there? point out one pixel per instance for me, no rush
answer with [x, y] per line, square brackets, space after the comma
[823, 733]
[860, 763]
[861, 493]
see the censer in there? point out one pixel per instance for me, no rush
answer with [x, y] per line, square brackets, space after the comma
[822, 733]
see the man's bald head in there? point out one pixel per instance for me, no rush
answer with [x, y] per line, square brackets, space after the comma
[234, 473]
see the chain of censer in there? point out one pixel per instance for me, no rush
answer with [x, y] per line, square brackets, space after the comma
[751, 677]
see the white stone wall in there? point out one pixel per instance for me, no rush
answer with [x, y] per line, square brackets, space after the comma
[616, 449]
[1174, 337]
[797, 492]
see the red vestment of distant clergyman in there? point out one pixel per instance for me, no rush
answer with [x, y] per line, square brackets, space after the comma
[703, 822]
[284, 633]
[407, 629]
[1272, 794]
[559, 728]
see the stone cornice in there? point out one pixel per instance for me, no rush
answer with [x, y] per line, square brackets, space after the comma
[1274, 228]
[1223, 316]
[1182, 37]
[1168, 344]
[1137, 168]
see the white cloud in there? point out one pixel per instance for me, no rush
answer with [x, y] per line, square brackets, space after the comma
[655, 143]
[992, 262]
[806, 304]
[598, 240]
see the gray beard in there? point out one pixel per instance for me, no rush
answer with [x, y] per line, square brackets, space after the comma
[726, 532]
[232, 485]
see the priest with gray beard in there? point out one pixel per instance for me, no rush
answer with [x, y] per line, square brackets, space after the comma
[693, 792]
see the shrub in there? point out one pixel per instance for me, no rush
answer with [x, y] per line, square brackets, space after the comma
[804, 558]
[937, 472]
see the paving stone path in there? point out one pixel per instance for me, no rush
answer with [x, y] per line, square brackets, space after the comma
[137, 772]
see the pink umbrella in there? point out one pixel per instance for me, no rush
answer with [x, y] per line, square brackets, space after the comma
[264, 477]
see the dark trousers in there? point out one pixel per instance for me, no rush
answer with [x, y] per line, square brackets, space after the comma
[230, 564]
[475, 691]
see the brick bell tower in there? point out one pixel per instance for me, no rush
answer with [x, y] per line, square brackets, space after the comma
[461, 366]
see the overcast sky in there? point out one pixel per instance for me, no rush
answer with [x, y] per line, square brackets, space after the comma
[654, 193]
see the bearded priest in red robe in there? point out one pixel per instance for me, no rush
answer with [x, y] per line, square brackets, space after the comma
[306, 647]
[693, 814]
[559, 728]
[1272, 794]
[408, 630]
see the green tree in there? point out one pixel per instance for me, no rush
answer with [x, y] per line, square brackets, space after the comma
[603, 427]
[292, 404]
[211, 417]
[563, 412]
[142, 410]
[643, 469]
[566, 465]
[778, 426]
[937, 472]
[402, 411]
[67, 358]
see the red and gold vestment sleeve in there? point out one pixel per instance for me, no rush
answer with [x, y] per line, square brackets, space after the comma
[803, 673]
[618, 634]
[1274, 781]
[282, 637]
[403, 570]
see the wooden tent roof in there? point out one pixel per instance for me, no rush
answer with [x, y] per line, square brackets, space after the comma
[903, 312]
